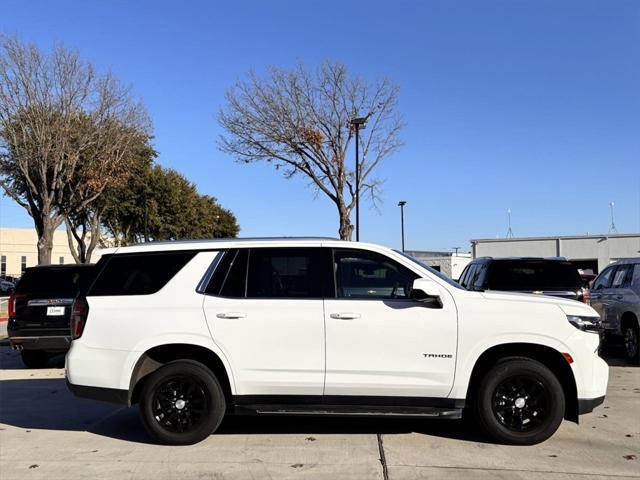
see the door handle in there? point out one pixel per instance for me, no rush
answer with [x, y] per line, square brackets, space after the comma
[231, 315]
[345, 316]
[619, 297]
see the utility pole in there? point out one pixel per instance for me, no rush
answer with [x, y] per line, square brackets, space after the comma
[358, 123]
[401, 204]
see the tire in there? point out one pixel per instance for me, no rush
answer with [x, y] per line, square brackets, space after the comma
[519, 402]
[182, 403]
[630, 339]
[34, 358]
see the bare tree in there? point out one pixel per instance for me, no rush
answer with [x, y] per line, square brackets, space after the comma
[110, 162]
[58, 119]
[300, 121]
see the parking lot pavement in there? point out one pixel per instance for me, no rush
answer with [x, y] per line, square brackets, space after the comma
[46, 433]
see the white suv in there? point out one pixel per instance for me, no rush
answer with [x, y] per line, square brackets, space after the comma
[195, 330]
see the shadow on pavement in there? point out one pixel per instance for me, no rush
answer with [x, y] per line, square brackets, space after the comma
[46, 404]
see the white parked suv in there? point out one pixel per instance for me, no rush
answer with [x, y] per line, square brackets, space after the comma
[192, 331]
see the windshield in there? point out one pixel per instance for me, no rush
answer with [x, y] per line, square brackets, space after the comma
[438, 274]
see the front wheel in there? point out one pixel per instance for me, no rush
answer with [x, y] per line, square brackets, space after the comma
[519, 402]
[182, 403]
[630, 338]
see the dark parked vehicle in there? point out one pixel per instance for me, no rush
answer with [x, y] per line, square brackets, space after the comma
[6, 287]
[616, 297]
[545, 276]
[40, 311]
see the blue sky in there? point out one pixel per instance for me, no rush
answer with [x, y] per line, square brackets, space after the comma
[528, 105]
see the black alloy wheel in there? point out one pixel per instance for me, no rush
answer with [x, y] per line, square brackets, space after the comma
[519, 401]
[181, 403]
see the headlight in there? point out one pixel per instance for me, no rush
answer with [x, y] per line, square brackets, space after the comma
[586, 324]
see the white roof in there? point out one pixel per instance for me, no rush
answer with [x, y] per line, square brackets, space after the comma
[222, 243]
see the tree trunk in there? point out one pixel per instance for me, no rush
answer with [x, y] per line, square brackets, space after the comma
[45, 240]
[346, 228]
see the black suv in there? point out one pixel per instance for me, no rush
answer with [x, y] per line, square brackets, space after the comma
[40, 310]
[545, 276]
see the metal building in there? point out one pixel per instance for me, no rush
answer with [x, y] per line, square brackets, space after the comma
[588, 252]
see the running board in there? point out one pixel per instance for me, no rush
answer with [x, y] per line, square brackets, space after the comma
[350, 411]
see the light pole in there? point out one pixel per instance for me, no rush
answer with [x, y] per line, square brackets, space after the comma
[401, 204]
[358, 123]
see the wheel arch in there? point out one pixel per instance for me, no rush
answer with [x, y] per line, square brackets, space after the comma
[548, 356]
[159, 355]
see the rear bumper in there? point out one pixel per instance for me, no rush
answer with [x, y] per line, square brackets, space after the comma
[103, 394]
[52, 343]
[586, 405]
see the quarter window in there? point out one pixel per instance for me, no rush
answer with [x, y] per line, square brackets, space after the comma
[138, 274]
[368, 275]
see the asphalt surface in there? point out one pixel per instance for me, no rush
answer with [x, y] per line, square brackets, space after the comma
[46, 433]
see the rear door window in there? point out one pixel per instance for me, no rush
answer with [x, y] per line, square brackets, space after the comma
[289, 273]
[622, 276]
[138, 273]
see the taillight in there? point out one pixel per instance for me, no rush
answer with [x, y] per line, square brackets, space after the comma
[79, 314]
[12, 305]
[586, 296]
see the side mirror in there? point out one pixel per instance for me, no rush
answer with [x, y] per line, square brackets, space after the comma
[427, 291]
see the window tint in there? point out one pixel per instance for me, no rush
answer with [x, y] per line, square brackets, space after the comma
[366, 275]
[235, 283]
[138, 274]
[622, 276]
[477, 282]
[220, 273]
[289, 273]
[463, 276]
[529, 275]
[469, 275]
[54, 282]
[635, 279]
[604, 279]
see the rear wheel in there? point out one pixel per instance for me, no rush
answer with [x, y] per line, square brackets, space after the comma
[630, 339]
[182, 403]
[34, 358]
[519, 402]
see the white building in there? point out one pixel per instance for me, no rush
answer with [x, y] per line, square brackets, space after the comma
[18, 250]
[449, 263]
[589, 252]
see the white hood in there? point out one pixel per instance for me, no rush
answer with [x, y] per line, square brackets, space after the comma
[569, 307]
